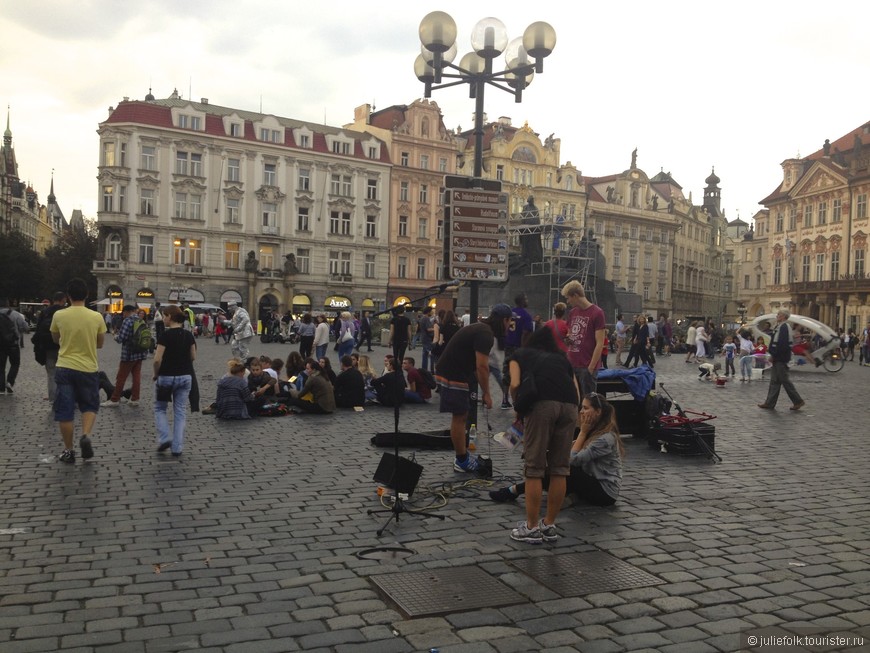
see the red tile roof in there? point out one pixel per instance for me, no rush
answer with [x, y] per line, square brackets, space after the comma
[159, 114]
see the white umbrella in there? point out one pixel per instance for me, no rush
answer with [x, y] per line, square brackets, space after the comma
[205, 307]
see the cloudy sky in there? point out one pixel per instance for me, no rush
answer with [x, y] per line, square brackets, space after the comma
[738, 85]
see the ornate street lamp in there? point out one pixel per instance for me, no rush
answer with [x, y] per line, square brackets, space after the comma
[523, 58]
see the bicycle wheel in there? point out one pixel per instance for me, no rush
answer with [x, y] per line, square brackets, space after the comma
[834, 362]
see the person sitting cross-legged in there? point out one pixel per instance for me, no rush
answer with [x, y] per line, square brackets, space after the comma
[350, 386]
[318, 386]
[596, 458]
[233, 394]
[417, 391]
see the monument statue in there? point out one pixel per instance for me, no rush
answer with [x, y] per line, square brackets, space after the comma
[251, 263]
[290, 264]
[530, 244]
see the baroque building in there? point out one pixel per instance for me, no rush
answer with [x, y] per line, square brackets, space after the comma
[817, 223]
[658, 244]
[210, 204]
[423, 152]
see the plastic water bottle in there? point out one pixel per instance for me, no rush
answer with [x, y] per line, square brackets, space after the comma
[472, 438]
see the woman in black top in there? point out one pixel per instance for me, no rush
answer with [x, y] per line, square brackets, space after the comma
[173, 373]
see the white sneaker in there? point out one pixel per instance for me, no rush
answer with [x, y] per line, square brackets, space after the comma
[110, 404]
[133, 403]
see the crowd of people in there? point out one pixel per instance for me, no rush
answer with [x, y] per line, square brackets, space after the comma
[571, 442]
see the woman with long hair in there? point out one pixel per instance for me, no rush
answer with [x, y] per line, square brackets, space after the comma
[173, 377]
[596, 457]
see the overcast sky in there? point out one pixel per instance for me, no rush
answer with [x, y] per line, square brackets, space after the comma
[736, 85]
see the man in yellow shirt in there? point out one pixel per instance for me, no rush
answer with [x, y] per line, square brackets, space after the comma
[79, 331]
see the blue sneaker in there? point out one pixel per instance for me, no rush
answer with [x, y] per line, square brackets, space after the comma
[468, 465]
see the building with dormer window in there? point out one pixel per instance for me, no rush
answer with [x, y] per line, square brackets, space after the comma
[203, 203]
[818, 223]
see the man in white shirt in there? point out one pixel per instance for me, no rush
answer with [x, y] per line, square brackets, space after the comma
[621, 331]
[466, 318]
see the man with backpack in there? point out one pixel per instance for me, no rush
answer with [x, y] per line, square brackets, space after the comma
[136, 339]
[13, 326]
[45, 349]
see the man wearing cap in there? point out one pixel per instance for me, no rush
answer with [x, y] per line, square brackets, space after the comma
[243, 332]
[466, 356]
[131, 361]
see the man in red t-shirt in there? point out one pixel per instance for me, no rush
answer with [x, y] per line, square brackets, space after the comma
[416, 392]
[586, 335]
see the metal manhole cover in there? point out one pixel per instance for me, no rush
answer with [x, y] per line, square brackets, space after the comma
[578, 574]
[442, 591]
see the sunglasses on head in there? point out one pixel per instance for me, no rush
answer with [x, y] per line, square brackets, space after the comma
[594, 399]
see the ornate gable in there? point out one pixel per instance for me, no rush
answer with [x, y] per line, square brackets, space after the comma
[819, 179]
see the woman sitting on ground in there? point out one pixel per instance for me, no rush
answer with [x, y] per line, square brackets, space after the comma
[326, 370]
[233, 395]
[322, 395]
[365, 368]
[390, 388]
[596, 458]
[294, 368]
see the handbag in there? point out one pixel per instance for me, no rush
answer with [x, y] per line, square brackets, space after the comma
[347, 336]
[527, 392]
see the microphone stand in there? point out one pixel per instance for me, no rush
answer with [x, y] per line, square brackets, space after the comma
[399, 504]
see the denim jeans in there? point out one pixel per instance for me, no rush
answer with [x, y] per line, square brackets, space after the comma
[179, 389]
[320, 351]
[427, 356]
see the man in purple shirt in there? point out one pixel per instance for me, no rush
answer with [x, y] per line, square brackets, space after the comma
[520, 330]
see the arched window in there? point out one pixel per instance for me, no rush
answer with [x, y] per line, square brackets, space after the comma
[113, 248]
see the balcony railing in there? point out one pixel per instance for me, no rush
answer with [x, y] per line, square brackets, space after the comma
[108, 265]
[340, 277]
[270, 230]
[187, 269]
[270, 274]
[846, 283]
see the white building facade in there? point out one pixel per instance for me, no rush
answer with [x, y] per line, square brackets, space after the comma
[202, 203]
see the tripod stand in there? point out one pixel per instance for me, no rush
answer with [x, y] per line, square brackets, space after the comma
[400, 478]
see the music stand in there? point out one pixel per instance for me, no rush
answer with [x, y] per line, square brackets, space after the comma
[394, 471]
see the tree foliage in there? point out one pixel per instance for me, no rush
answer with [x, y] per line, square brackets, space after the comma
[73, 256]
[21, 269]
[26, 276]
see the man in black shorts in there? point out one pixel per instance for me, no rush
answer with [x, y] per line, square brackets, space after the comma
[467, 356]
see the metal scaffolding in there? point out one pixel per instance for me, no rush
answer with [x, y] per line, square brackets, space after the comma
[566, 256]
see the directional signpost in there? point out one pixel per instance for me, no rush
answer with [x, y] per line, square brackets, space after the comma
[477, 245]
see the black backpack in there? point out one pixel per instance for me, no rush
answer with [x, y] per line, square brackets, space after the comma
[8, 334]
[428, 378]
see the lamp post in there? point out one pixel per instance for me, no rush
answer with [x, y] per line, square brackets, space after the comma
[524, 56]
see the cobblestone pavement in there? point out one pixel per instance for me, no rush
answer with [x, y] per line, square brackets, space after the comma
[250, 541]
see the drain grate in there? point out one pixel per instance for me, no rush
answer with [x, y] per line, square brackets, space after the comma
[578, 574]
[442, 591]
